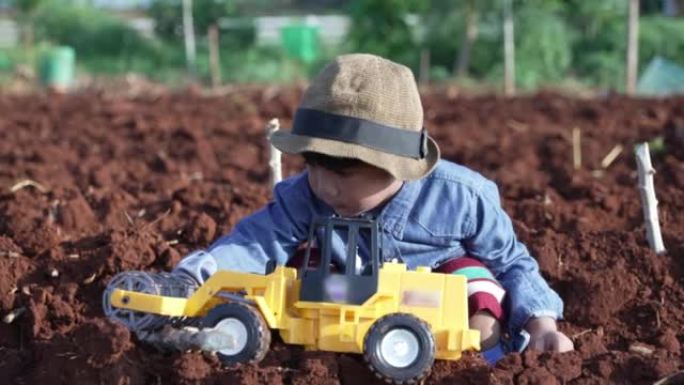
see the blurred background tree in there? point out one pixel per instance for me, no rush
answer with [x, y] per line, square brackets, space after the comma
[557, 41]
[99, 38]
[466, 39]
[382, 27]
[25, 10]
[168, 19]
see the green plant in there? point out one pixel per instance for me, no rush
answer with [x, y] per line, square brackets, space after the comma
[381, 27]
[168, 18]
[260, 64]
[543, 47]
[599, 48]
[661, 36]
[90, 31]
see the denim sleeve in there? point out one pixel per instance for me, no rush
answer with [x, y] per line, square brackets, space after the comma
[270, 234]
[492, 240]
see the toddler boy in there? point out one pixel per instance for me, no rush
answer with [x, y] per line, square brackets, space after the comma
[360, 129]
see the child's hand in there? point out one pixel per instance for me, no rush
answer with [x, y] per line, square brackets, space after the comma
[544, 336]
[552, 341]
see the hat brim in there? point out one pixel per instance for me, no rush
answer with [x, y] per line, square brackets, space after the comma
[400, 167]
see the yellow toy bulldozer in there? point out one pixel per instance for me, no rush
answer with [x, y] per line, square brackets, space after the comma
[400, 320]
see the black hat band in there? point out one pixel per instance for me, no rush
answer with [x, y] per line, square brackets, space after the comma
[359, 131]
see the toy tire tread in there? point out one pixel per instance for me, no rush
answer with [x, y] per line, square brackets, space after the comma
[259, 334]
[420, 367]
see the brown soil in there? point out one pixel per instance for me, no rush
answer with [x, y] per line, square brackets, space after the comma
[137, 183]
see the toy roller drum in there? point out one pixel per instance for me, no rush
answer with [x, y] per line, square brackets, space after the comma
[400, 348]
[247, 328]
[163, 284]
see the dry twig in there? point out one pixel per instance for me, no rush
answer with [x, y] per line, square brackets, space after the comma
[128, 217]
[26, 183]
[159, 218]
[11, 254]
[611, 156]
[11, 316]
[576, 148]
[640, 348]
[517, 126]
[90, 279]
[580, 334]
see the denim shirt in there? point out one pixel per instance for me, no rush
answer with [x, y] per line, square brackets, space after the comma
[452, 212]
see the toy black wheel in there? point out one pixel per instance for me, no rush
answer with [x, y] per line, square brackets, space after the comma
[247, 327]
[399, 348]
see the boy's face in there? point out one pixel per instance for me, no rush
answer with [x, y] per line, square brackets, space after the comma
[353, 190]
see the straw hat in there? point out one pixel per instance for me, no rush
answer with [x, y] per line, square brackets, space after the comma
[364, 107]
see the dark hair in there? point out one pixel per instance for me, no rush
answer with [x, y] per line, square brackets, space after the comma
[332, 163]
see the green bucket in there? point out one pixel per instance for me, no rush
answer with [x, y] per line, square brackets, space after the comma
[56, 67]
[301, 42]
[5, 62]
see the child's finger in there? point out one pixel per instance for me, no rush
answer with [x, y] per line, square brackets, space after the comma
[558, 342]
[565, 344]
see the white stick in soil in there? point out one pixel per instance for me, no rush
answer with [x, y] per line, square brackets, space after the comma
[274, 154]
[648, 197]
[576, 148]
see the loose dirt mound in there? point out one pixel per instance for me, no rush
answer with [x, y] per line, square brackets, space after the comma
[136, 184]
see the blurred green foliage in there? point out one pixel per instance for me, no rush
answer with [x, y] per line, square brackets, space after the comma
[90, 32]
[106, 44]
[600, 48]
[557, 41]
[26, 6]
[103, 43]
[543, 48]
[168, 19]
[662, 36]
[381, 27]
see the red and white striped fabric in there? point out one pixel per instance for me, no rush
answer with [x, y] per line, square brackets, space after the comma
[484, 291]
